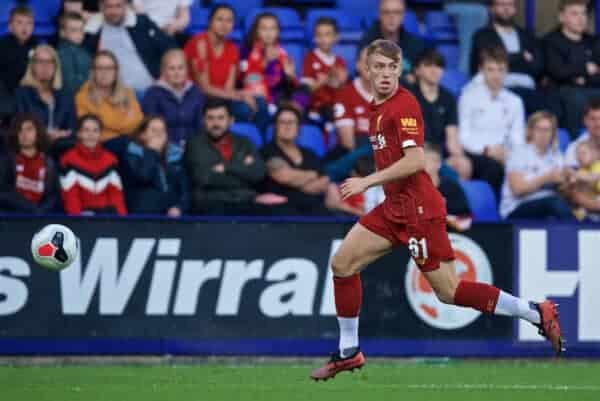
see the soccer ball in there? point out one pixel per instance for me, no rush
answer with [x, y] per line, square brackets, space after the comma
[54, 247]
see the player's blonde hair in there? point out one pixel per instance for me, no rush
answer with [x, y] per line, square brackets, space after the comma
[386, 48]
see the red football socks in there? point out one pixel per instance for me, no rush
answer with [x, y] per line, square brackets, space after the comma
[348, 295]
[480, 296]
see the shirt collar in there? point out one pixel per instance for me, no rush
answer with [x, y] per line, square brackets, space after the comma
[362, 91]
[327, 59]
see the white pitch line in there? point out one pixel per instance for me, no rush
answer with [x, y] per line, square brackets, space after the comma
[507, 387]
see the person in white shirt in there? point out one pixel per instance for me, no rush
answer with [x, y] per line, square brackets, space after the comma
[491, 121]
[534, 173]
[172, 16]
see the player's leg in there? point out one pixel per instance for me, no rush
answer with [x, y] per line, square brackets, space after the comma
[489, 299]
[360, 247]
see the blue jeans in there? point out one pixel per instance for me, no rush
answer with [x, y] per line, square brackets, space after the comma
[243, 113]
[549, 207]
[469, 18]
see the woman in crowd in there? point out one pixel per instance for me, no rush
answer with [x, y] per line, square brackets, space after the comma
[296, 173]
[28, 176]
[89, 179]
[535, 174]
[175, 98]
[41, 92]
[153, 173]
[105, 96]
[214, 61]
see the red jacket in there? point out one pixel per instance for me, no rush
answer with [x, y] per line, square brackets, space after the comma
[90, 182]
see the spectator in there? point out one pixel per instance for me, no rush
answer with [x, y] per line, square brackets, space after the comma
[296, 172]
[28, 177]
[572, 59]
[534, 173]
[587, 177]
[154, 178]
[469, 16]
[267, 70]
[525, 62]
[173, 17]
[323, 71]
[105, 96]
[438, 106]
[214, 62]
[351, 110]
[135, 40]
[175, 98]
[224, 169]
[89, 179]
[491, 121]
[389, 26]
[591, 121]
[41, 92]
[459, 212]
[16, 47]
[74, 59]
[76, 7]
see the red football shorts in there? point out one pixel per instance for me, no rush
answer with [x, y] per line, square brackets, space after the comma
[427, 240]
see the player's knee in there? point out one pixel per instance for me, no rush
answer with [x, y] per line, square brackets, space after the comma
[445, 295]
[341, 266]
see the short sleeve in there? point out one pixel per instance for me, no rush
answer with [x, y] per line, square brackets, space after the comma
[408, 120]
[343, 112]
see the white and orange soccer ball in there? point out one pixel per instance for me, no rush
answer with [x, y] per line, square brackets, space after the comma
[54, 247]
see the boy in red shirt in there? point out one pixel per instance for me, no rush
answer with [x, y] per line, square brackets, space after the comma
[323, 71]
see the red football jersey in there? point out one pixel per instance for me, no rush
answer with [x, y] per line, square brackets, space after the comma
[352, 106]
[395, 125]
[218, 66]
[316, 64]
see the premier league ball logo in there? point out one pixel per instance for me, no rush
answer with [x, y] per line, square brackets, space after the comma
[471, 264]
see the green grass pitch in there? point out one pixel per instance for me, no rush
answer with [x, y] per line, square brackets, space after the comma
[402, 380]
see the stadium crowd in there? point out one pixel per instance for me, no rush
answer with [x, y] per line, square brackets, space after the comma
[126, 111]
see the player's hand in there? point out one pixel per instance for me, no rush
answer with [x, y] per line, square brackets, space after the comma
[353, 186]
[219, 168]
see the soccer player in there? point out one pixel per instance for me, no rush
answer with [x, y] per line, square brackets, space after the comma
[412, 214]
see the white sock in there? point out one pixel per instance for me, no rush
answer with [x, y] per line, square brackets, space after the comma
[510, 305]
[348, 334]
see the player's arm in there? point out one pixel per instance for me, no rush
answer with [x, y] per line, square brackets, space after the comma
[412, 162]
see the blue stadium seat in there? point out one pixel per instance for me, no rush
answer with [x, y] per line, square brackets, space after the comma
[411, 22]
[5, 8]
[241, 7]
[289, 21]
[198, 19]
[451, 54]
[482, 200]
[349, 24]
[296, 52]
[564, 139]
[310, 137]
[440, 26]
[349, 53]
[45, 13]
[249, 131]
[453, 80]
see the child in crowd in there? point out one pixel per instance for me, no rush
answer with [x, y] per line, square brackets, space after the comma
[89, 179]
[267, 70]
[74, 59]
[323, 72]
[588, 174]
[16, 47]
